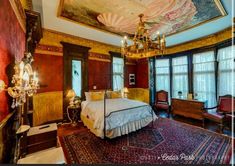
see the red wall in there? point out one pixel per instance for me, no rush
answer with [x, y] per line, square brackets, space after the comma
[12, 46]
[142, 73]
[50, 72]
[99, 74]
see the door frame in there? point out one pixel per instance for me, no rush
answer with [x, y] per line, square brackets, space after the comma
[73, 52]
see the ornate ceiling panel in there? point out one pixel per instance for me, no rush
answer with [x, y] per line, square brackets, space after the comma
[121, 16]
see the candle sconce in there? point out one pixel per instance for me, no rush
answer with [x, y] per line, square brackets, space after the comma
[24, 80]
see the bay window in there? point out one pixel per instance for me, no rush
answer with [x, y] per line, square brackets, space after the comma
[204, 77]
[118, 73]
[226, 71]
[163, 75]
[180, 76]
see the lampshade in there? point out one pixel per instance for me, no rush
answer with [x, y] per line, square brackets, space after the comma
[71, 93]
[125, 90]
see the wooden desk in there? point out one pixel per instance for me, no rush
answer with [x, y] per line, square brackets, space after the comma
[187, 108]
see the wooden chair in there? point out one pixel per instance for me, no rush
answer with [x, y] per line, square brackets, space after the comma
[161, 102]
[221, 111]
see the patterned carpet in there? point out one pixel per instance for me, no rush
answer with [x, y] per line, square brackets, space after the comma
[167, 142]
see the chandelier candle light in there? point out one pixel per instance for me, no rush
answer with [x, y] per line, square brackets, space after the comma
[25, 82]
[143, 45]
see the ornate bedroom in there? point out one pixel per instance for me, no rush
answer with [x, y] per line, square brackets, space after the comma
[117, 82]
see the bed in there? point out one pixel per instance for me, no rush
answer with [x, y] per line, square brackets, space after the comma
[122, 116]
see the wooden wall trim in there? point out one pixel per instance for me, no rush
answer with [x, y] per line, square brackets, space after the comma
[5, 120]
[7, 137]
[73, 51]
[19, 12]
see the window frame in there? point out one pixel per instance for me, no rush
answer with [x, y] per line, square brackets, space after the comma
[117, 55]
[190, 53]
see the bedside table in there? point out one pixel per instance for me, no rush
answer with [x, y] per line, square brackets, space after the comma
[73, 113]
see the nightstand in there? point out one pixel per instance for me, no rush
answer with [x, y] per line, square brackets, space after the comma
[73, 113]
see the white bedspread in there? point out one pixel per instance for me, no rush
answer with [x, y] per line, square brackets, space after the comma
[94, 110]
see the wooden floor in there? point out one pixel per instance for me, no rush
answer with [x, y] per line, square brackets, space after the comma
[67, 129]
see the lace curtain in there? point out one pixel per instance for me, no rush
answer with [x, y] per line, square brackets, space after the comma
[226, 71]
[163, 75]
[180, 76]
[204, 77]
[118, 73]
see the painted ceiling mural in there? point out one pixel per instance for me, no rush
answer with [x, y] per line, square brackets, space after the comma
[121, 16]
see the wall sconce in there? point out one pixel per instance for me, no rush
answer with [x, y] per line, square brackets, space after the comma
[25, 81]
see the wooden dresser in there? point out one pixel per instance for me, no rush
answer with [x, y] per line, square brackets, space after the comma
[187, 108]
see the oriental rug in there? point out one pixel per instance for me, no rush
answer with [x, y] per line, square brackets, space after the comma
[165, 142]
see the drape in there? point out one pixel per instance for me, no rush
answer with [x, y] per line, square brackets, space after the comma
[118, 73]
[152, 82]
[163, 75]
[226, 71]
[180, 76]
[204, 77]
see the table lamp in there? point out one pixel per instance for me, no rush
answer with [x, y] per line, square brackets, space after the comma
[125, 91]
[71, 94]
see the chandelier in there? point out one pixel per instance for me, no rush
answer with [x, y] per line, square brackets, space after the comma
[143, 45]
[25, 81]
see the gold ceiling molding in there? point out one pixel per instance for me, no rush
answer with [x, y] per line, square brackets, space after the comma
[45, 52]
[58, 51]
[201, 42]
[205, 41]
[53, 38]
[49, 50]
[19, 12]
[27, 4]
[99, 57]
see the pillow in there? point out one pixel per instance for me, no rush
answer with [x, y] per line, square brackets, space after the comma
[115, 94]
[95, 96]
[88, 96]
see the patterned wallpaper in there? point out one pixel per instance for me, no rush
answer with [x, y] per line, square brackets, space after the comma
[12, 46]
[52, 38]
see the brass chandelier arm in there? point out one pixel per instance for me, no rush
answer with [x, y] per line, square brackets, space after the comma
[142, 42]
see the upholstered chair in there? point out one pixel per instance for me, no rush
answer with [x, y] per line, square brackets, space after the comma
[161, 102]
[222, 112]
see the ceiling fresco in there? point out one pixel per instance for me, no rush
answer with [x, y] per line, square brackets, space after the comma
[121, 16]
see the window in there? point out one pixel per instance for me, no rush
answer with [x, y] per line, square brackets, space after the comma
[204, 77]
[180, 76]
[226, 71]
[163, 75]
[118, 75]
[76, 77]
